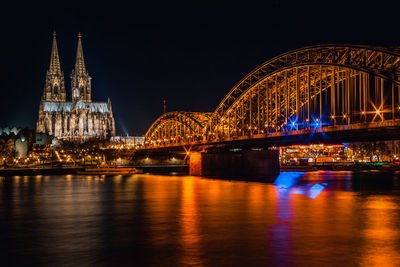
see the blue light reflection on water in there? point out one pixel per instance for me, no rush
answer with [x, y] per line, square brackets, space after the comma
[315, 190]
[289, 183]
[288, 179]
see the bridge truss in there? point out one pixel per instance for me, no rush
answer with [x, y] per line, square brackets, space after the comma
[177, 127]
[319, 87]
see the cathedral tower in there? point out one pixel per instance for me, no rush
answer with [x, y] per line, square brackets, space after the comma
[80, 79]
[54, 89]
[80, 119]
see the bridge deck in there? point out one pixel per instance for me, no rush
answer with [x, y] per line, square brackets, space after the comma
[373, 131]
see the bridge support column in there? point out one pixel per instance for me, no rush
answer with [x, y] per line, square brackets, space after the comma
[247, 163]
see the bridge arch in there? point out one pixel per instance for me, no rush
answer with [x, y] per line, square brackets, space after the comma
[177, 127]
[312, 86]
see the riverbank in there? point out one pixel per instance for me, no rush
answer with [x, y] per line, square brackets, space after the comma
[338, 167]
[64, 171]
[182, 170]
[39, 171]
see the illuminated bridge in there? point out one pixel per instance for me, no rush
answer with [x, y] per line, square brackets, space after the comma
[330, 93]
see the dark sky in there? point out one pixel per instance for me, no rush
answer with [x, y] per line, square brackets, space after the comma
[139, 53]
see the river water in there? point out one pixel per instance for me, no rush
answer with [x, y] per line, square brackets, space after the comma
[303, 219]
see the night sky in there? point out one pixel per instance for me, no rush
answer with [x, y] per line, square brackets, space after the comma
[188, 54]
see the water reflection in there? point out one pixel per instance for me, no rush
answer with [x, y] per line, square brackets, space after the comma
[191, 254]
[288, 183]
[327, 218]
[381, 232]
[287, 180]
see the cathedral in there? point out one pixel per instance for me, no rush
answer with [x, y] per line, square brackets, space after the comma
[79, 119]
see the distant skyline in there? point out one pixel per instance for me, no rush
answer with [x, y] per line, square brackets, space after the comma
[190, 55]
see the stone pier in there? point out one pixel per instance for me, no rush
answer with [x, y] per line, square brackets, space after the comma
[245, 163]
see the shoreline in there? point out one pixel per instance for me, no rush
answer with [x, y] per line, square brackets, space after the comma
[129, 170]
[64, 171]
[39, 171]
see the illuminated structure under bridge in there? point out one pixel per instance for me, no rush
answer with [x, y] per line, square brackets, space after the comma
[132, 141]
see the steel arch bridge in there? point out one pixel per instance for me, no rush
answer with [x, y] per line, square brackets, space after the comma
[178, 126]
[318, 88]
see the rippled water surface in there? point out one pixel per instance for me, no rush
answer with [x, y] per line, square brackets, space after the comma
[303, 219]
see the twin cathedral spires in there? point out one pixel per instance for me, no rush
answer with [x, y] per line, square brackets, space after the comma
[54, 89]
[79, 119]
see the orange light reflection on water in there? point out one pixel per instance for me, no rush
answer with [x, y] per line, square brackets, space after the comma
[381, 232]
[191, 254]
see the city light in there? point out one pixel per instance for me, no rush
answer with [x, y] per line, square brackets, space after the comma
[291, 160]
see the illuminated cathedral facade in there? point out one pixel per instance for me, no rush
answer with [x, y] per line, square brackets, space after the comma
[79, 119]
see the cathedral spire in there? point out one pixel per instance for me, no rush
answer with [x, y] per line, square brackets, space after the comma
[54, 88]
[80, 79]
[80, 62]
[54, 59]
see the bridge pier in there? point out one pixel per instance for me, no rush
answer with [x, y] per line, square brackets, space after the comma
[245, 163]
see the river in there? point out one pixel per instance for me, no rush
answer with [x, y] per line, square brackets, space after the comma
[303, 219]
